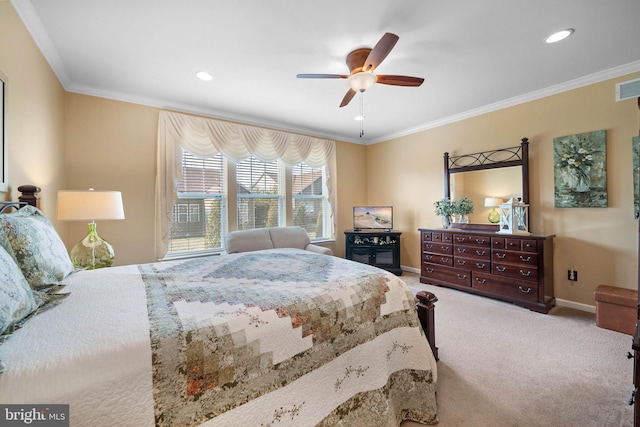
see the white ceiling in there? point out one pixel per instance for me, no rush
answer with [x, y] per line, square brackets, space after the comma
[475, 56]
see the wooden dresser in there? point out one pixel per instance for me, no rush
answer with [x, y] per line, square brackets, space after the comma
[513, 268]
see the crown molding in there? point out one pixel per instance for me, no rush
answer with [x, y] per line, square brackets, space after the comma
[598, 77]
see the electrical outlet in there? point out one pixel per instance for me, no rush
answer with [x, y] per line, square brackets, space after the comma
[572, 275]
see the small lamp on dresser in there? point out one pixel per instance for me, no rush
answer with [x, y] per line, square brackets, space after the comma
[93, 251]
[493, 202]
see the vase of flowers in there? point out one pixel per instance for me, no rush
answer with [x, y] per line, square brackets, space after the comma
[463, 207]
[445, 209]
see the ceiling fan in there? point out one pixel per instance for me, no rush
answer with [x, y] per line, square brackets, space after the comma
[362, 62]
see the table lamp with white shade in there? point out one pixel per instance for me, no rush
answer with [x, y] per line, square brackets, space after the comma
[493, 202]
[93, 251]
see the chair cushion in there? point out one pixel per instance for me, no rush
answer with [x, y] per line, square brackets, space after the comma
[248, 240]
[289, 237]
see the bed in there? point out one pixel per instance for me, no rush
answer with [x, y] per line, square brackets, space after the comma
[280, 337]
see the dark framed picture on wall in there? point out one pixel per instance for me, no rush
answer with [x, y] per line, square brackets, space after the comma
[580, 172]
[3, 134]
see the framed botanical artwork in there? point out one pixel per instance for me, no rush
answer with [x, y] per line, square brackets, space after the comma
[636, 176]
[580, 173]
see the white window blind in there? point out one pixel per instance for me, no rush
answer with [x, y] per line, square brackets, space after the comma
[260, 193]
[198, 214]
[309, 200]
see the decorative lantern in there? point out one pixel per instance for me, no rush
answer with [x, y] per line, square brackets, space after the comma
[514, 217]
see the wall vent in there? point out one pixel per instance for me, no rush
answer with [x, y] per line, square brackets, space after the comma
[628, 90]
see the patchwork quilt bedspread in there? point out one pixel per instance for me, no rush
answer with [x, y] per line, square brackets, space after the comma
[282, 337]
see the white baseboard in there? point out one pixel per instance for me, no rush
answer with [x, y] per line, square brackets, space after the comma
[576, 305]
[410, 269]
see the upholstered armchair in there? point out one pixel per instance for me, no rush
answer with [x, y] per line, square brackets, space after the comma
[269, 238]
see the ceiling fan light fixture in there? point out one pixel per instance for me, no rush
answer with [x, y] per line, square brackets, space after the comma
[203, 75]
[362, 81]
[560, 35]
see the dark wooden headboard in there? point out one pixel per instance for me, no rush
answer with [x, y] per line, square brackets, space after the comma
[28, 196]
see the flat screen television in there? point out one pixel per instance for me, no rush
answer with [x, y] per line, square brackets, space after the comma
[373, 217]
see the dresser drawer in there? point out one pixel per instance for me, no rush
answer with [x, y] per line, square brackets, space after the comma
[522, 272]
[470, 239]
[520, 258]
[437, 258]
[437, 248]
[457, 276]
[474, 252]
[473, 264]
[527, 245]
[509, 288]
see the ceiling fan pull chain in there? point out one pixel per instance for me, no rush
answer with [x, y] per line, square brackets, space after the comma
[361, 114]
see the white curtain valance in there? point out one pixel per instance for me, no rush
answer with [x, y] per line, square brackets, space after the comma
[207, 137]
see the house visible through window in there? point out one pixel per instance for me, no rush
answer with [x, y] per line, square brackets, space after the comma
[260, 191]
[265, 192]
[309, 200]
[198, 215]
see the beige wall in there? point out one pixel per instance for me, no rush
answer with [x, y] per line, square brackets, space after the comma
[601, 244]
[111, 145]
[35, 114]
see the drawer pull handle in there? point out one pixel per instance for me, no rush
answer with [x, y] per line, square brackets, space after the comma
[529, 245]
[480, 241]
[445, 248]
[430, 270]
[445, 259]
[461, 262]
[497, 243]
[501, 268]
[480, 265]
[501, 256]
[481, 281]
[429, 257]
[525, 273]
[429, 246]
[460, 239]
[525, 259]
[524, 291]
[462, 250]
[461, 276]
[481, 253]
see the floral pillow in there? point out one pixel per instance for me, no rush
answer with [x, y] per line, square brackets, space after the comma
[17, 300]
[35, 246]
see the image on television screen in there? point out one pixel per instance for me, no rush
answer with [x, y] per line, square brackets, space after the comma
[373, 217]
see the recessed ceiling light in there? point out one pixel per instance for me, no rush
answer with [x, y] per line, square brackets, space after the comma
[560, 35]
[203, 75]
[358, 118]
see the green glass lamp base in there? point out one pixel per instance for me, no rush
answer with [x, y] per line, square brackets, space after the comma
[92, 252]
[494, 216]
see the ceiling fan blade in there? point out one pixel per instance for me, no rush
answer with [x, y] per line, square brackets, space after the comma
[380, 51]
[399, 80]
[348, 97]
[321, 76]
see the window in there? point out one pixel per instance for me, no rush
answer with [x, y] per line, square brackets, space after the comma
[198, 215]
[218, 187]
[260, 193]
[309, 200]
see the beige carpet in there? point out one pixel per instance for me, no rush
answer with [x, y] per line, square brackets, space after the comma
[503, 365]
